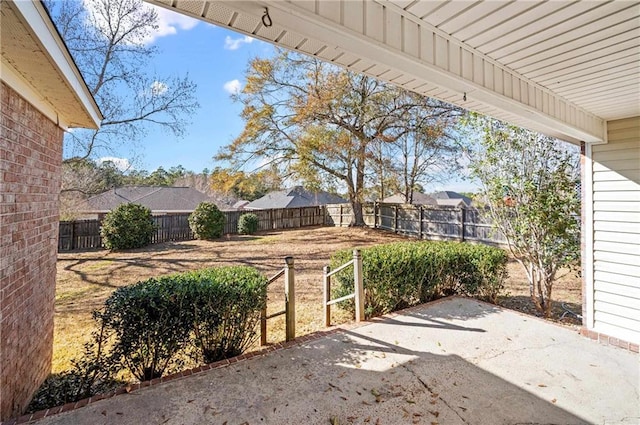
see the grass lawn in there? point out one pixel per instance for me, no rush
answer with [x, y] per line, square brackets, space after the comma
[86, 279]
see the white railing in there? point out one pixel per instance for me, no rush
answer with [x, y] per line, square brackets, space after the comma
[358, 293]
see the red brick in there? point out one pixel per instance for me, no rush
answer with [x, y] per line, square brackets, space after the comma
[29, 208]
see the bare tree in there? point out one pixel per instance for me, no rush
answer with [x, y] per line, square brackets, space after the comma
[109, 42]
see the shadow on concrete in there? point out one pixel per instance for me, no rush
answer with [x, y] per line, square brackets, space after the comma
[399, 370]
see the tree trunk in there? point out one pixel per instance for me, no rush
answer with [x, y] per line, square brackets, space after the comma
[357, 215]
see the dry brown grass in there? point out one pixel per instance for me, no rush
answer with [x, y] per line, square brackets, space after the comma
[86, 279]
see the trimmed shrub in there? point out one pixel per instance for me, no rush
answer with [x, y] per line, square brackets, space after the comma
[214, 311]
[402, 274]
[207, 221]
[226, 305]
[127, 226]
[248, 224]
[150, 322]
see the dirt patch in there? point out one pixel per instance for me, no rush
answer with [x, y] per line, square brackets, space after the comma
[86, 279]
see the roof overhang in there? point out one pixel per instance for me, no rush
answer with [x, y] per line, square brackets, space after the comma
[562, 68]
[36, 63]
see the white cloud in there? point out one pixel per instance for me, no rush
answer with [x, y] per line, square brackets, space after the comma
[233, 86]
[236, 43]
[169, 23]
[158, 88]
[121, 164]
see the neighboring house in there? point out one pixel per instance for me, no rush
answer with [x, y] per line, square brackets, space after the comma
[239, 205]
[42, 94]
[294, 198]
[418, 199]
[454, 199]
[160, 200]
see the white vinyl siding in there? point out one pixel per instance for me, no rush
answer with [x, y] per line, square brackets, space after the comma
[616, 231]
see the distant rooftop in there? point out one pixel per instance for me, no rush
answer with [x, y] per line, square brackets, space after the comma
[293, 198]
[156, 198]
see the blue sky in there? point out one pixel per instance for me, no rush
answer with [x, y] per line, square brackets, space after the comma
[215, 59]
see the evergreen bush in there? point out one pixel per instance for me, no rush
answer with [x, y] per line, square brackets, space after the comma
[403, 274]
[127, 226]
[207, 221]
[248, 224]
[150, 322]
[226, 303]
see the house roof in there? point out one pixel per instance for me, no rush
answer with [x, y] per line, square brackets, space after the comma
[443, 198]
[37, 64]
[156, 198]
[561, 68]
[295, 197]
[418, 199]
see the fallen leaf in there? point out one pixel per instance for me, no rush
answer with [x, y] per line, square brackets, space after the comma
[334, 421]
[410, 401]
[553, 401]
[434, 413]
[542, 385]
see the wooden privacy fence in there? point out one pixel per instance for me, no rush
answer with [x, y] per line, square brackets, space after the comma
[358, 293]
[289, 304]
[423, 222]
[85, 234]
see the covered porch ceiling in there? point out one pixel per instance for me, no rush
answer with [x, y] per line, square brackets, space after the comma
[563, 68]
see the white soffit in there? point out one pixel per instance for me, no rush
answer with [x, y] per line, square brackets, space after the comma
[36, 63]
[563, 67]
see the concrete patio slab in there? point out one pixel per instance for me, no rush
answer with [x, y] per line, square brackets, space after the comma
[455, 361]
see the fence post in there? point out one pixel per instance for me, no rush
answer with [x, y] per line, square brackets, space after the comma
[375, 214]
[421, 216]
[290, 299]
[358, 283]
[263, 325]
[395, 219]
[327, 295]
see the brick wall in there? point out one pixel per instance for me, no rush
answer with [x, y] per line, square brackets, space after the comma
[30, 169]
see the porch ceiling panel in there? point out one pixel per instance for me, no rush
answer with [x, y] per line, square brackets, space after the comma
[562, 67]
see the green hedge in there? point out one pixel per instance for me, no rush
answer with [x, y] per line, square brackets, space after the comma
[226, 305]
[248, 224]
[207, 221]
[212, 312]
[403, 274]
[127, 226]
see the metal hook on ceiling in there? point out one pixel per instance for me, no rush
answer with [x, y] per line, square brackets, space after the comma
[266, 19]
